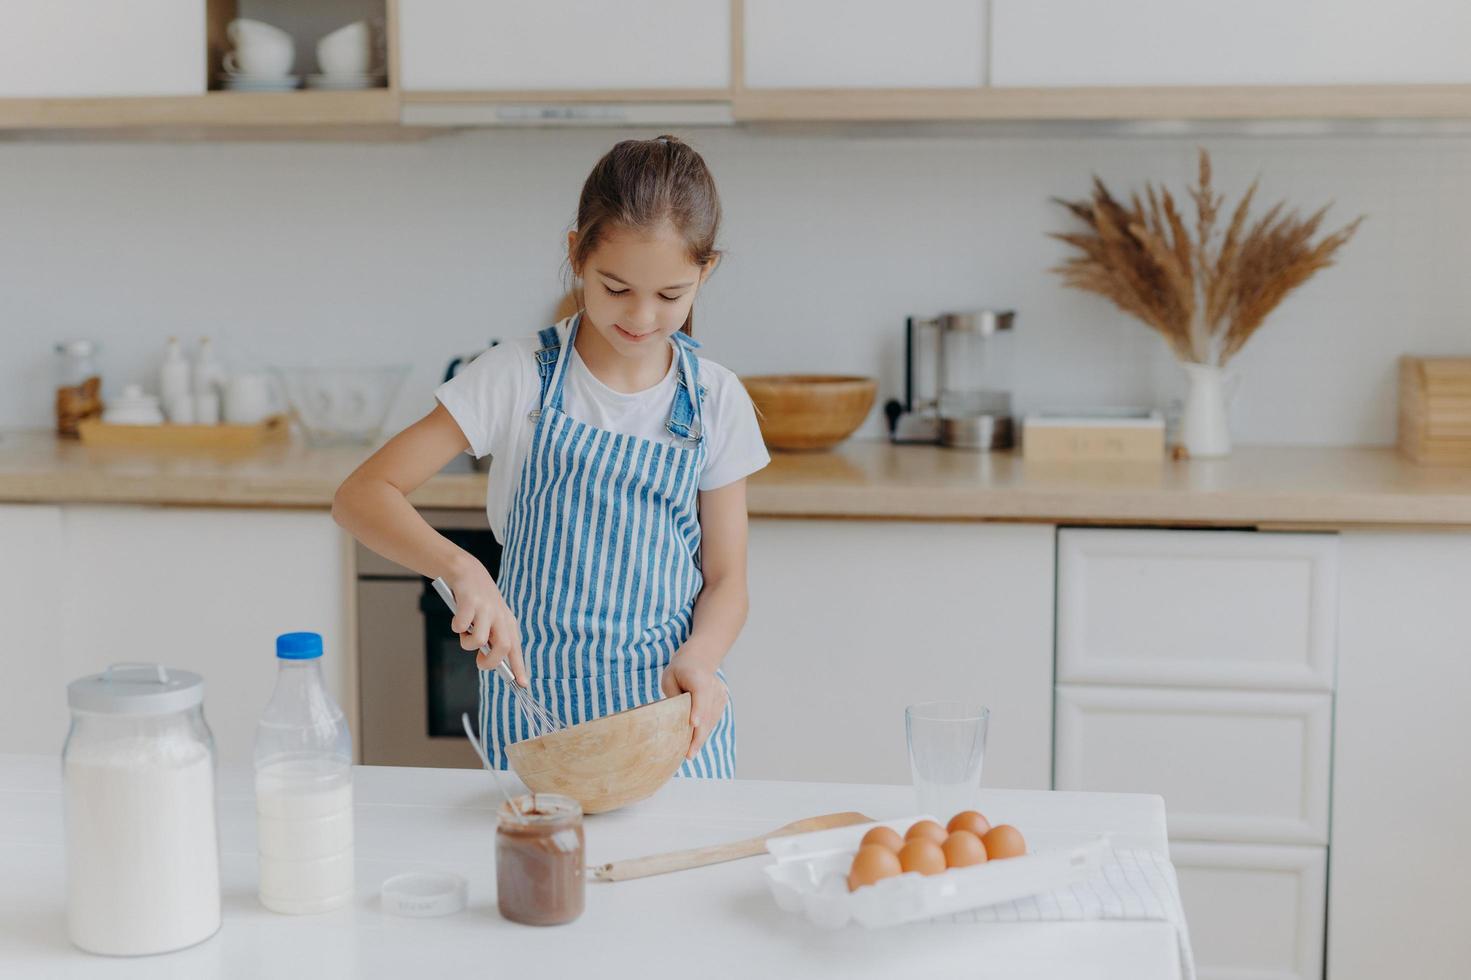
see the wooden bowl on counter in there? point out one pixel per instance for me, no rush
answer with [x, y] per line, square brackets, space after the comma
[610, 761]
[809, 411]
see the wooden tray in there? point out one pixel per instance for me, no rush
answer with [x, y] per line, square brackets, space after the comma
[167, 436]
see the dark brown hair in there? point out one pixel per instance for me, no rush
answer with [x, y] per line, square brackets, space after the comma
[640, 184]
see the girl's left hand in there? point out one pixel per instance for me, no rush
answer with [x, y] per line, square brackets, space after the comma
[707, 696]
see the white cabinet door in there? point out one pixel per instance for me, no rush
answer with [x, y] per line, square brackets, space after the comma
[1202, 608]
[36, 601]
[208, 591]
[1231, 765]
[851, 621]
[864, 44]
[1245, 42]
[1255, 912]
[86, 49]
[448, 45]
[1402, 759]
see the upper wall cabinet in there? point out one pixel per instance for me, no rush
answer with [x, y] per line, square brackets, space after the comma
[80, 48]
[1061, 43]
[842, 44]
[565, 45]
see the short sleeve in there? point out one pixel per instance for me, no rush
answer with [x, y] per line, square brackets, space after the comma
[735, 448]
[483, 398]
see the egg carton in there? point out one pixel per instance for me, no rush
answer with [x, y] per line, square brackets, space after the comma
[810, 876]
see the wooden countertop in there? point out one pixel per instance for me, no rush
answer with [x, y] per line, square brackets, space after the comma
[1320, 487]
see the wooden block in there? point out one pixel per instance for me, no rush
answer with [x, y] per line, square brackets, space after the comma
[1103, 439]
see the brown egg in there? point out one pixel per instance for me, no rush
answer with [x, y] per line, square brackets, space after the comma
[872, 863]
[886, 837]
[924, 856]
[970, 820]
[962, 849]
[926, 830]
[1004, 841]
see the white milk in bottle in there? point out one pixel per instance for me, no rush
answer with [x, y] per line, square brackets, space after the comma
[303, 787]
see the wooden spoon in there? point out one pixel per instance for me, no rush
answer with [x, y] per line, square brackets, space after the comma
[657, 864]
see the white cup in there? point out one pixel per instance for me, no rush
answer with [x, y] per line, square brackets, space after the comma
[254, 61]
[249, 398]
[347, 50]
[243, 30]
[260, 49]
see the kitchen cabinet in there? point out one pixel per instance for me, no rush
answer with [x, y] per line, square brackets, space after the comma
[80, 48]
[1401, 780]
[1231, 765]
[852, 620]
[203, 590]
[662, 46]
[838, 44]
[1065, 43]
[36, 602]
[1236, 610]
[1200, 665]
[1253, 910]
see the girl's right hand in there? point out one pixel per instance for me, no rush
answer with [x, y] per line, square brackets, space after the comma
[482, 618]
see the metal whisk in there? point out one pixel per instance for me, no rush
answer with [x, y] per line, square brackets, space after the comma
[539, 721]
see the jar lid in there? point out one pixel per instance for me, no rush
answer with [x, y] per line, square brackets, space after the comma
[422, 894]
[136, 689]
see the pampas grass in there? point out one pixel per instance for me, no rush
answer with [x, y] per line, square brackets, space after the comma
[1205, 293]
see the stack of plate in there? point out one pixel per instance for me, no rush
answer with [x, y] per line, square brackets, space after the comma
[245, 82]
[343, 81]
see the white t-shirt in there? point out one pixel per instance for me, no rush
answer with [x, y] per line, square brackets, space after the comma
[492, 397]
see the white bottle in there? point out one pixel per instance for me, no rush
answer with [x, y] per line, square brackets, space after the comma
[209, 380]
[303, 787]
[173, 385]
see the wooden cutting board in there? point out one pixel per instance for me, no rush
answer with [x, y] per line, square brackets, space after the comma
[698, 857]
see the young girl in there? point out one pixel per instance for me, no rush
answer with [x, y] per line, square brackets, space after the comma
[617, 486]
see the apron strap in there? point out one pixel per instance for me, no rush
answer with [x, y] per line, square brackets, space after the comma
[686, 415]
[551, 366]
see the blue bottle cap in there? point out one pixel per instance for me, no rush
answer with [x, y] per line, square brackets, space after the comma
[299, 646]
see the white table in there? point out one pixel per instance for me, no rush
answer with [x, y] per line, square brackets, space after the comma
[718, 921]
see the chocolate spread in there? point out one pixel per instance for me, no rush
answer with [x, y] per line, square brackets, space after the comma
[539, 865]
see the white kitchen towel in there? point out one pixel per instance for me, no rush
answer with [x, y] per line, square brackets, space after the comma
[1133, 884]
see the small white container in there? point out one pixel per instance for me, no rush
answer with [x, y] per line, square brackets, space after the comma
[811, 870]
[86, 49]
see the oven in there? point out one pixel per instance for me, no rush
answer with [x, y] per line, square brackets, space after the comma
[413, 679]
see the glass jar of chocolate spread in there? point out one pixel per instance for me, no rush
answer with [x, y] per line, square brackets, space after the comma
[539, 867]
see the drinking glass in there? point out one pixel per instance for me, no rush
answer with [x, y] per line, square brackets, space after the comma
[947, 745]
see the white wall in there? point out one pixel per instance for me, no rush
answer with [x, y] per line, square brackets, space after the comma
[417, 251]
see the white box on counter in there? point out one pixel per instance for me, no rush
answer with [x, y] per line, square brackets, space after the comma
[810, 878]
[91, 49]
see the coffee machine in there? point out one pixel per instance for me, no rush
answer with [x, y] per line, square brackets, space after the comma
[957, 381]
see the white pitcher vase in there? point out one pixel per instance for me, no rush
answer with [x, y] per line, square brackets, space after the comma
[1205, 430]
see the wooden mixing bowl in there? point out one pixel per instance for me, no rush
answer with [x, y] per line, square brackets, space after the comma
[610, 761]
[809, 411]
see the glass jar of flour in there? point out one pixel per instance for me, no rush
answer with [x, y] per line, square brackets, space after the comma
[142, 844]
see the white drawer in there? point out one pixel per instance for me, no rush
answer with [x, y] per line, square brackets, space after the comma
[1231, 765]
[1255, 912]
[1196, 608]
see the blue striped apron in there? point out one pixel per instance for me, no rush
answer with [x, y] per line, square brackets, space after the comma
[601, 563]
